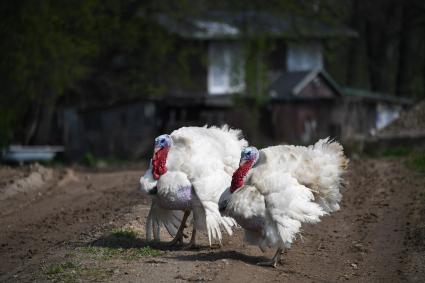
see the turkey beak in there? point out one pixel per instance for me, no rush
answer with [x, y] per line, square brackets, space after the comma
[156, 149]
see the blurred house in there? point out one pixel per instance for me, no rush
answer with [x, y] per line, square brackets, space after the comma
[300, 100]
[296, 58]
[305, 103]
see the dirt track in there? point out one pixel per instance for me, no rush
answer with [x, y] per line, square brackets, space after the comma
[378, 235]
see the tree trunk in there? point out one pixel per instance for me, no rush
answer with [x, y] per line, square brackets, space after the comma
[43, 134]
[32, 117]
[423, 66]
[353, 48]
[378, 42]
[403, 76]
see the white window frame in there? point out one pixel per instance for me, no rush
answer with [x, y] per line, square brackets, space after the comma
[226, 73]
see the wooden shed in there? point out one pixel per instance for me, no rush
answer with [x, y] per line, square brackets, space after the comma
[302, 106]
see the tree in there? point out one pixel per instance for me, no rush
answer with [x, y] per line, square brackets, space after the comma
[47, 48]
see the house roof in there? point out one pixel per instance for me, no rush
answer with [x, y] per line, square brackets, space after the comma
[290, 84]
[375, 96]
[234, 25]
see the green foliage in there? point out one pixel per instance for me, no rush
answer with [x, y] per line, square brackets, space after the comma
[47, 47]
[417, 161]
[51, 48]
[93, 50]
[89, 160]
[100, 162]
[256, 67]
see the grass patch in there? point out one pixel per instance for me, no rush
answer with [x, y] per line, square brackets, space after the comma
[104, 253]
[390, 152]
[399, 151]
[89, 160]
[124, 233]
[144, 252]
[100, 162]
[58, 268]
[415, 158]
[107, 253]
[70, 272]
[417, 161]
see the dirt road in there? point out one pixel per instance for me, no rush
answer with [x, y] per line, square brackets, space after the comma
[73, 225]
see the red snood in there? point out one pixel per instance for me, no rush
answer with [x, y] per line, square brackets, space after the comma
[159, 161]
[239, 175]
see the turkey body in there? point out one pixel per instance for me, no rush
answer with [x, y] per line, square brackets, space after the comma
[248, 209]
[199, 166]
[287, 186]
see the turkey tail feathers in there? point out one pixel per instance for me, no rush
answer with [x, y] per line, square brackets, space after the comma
[333, 163]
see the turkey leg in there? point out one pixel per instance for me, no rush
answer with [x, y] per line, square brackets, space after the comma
[178, 239]
[192, 243]
[274, 260]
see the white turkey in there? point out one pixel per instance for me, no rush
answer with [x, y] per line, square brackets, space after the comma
[278, 188]
[189, 171]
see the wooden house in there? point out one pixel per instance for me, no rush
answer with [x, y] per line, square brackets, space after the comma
[299, 101]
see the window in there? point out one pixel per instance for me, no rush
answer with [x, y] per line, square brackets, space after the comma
[304, 57]
[225, 68]
[386, 114]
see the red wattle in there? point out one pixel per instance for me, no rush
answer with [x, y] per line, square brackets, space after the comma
[159, 161]
[238, 177]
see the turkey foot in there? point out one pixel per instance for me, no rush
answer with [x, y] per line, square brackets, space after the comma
[274, 260]
[178, 239]
[192, 243]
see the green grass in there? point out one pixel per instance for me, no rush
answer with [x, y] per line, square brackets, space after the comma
[415, 158]
[92, 161]
[124, 233]
[144, 252]
[399, 151]
[104, 253]
[389, 152]
[89, 160]
[58, 268]
[107, 253]
[70, 272]
[417, 161]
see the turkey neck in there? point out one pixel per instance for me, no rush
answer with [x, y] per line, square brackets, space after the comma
[238, 178]
[159, 161]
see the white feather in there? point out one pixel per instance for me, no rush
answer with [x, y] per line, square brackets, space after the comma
[289, 185]
[205, 157]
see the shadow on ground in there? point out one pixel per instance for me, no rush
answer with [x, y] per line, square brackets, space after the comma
[220, 255]
[113, 241]
[200, 253]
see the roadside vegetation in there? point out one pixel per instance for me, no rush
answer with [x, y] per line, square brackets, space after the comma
[84, 263]
[72, 272]
[413, 158]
